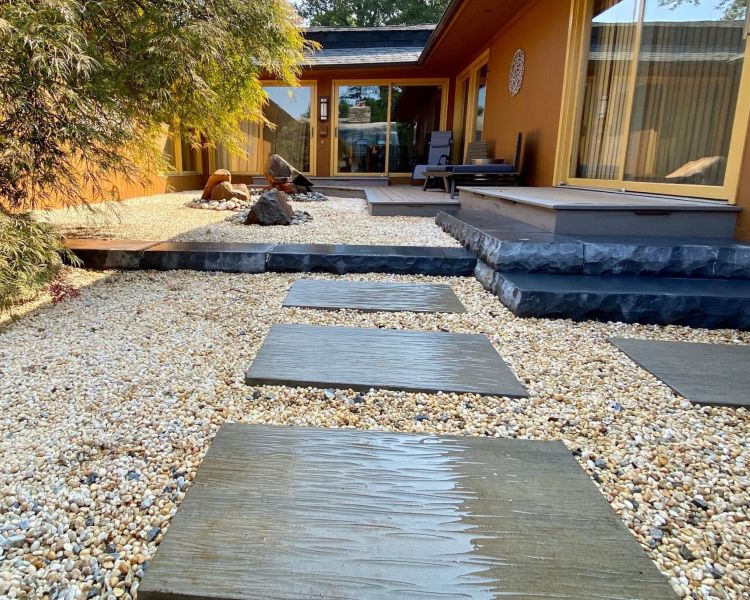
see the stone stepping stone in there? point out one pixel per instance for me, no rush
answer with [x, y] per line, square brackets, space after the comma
[108, 254]
[346, 258]
[207, 256]
[297, 513]
[701, 373]
[360, 359]
[373, 296]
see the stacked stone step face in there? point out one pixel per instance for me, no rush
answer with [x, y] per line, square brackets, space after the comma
[702, 283]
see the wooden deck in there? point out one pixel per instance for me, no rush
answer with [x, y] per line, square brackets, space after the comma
[408, 200]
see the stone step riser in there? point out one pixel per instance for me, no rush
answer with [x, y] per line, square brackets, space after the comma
[589, 258]
[694, 310]
[299, 258]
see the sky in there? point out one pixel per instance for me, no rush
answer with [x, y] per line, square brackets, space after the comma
[705, 10]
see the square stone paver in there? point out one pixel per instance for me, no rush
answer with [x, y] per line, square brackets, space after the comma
[373, 296]
[360, 359]
[301, 513]
[701, 373]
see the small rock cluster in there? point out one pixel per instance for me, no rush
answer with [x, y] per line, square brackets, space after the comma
[308, 197]
[235, 204]
[238, 218]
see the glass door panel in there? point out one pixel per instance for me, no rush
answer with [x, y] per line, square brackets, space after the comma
[289, 109]
[481, 98]
[415, 114]
[362, 128]
[691, 58]
[605, 97]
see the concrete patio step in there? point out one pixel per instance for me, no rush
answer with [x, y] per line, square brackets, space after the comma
[697, 302]
[301, 513]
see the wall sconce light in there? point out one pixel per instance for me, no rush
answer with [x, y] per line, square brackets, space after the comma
[323, 113]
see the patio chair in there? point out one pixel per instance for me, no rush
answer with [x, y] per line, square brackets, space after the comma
[438, 154]
[477, 175]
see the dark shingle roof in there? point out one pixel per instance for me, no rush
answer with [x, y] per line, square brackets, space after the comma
[341, 46]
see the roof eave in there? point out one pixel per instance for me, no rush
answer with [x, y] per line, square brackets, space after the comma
[442, 24]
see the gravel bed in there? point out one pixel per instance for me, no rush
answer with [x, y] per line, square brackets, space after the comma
[165, 216]
[109, 402]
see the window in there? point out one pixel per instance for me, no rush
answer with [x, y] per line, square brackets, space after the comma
[289, 110]
[481, 101]
[180, 154]
[384, 129]
[660, 92]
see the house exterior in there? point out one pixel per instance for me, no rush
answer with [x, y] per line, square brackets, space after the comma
[636, 95]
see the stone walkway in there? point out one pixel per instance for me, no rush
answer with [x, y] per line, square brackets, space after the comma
[712, 374]
[292, 513]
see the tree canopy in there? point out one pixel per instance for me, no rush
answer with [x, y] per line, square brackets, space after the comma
[86, 86]
[371, 13]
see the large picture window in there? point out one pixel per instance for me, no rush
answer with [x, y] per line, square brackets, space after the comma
[289, 111]
[660, 92]
[385, 129]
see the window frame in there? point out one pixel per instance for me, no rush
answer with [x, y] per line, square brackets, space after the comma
[579, 34]
[444, 84]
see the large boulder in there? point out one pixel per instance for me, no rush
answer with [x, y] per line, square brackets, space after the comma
[279, 171]
[219, 176]
[241, 191]
[270, 209]
[223, 191]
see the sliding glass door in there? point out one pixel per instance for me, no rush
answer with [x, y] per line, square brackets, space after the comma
[384, 128]
[658, 106]
[289, 111]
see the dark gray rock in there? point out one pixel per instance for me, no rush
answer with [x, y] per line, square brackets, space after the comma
[270, 209]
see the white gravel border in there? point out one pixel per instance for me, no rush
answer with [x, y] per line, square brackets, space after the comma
[165, 217]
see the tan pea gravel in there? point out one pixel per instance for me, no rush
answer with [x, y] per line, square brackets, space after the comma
[108, 403]
[165, 217]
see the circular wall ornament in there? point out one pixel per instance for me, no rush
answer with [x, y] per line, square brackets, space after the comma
[517, 67]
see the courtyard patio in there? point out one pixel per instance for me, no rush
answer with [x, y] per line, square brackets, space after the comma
[112, 399]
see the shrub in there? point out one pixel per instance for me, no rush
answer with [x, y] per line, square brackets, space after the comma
[31, 254]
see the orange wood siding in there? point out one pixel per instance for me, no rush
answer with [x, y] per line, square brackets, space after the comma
[743, 194]
[541, 31]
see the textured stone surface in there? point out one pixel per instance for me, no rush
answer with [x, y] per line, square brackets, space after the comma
[509, 245]
[109, 254]
[373, 296]
[702, 373]
[341, 259]
[660, 300]
[271, 208]
[301, 513]
[207, 256]
[218, 176]
[360, 359]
